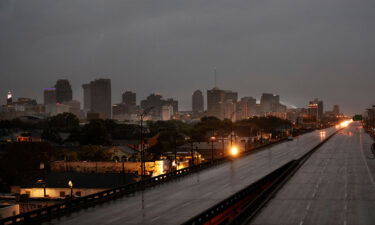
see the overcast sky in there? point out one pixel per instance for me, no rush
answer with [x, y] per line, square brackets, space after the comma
[300, 49]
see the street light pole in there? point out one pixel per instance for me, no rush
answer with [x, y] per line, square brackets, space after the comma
[44, 184]
[143, 163]
[212, 148]
[175, 148]
[44, 190]
[70, 183]
[142, 152]
[192, 152]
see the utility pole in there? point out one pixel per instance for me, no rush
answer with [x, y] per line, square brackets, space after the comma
[175, 148]
[212, 148]
[192, 151]
[143, 163]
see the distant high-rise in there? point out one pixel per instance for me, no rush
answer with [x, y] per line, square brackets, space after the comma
[312, 112]
[75, 107]
[336, 110]
[214, 97]
[63, 91]
[9, 98]
[173, 103]
[320, 108]
[246, 107]
[228, 110]
[86, 97]
[166, 112]
[100, 97]
[49, 96]
[269, 102]
[197, 101]
[129, 98]
[215, 100]
[155, 102]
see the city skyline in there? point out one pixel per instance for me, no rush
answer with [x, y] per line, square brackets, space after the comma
[294, 49]
[187, 112]
[186, 107]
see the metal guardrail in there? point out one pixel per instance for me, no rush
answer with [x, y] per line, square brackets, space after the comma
[243, 205]
[40, 215]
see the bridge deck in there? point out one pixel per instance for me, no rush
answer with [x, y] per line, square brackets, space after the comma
[335, 186]
[179, 200]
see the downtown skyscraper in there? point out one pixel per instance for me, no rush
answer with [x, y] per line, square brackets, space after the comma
[100, 97]
[64, 91]
[197, 101]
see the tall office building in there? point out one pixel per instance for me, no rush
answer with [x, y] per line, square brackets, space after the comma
[197, 101]
[129, 98]
[9, 98]
[246, 107]
[86, 97]
[63, 91]
[49, 96]
[166, 112]
[312, 112]
[269, 102]
[100, 97]
[157, 102]
[173, 103]
[320, 108]
[216, 98]
[75, 107]
[336, 110]
[228, 110]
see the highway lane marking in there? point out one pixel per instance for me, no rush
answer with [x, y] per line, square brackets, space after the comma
[316, 188]
[187, 203]
[157, 217]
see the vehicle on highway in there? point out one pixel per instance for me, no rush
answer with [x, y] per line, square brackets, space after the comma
[290, 138]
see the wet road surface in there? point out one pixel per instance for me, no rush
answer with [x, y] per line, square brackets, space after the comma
[179, 200]
[335, 186]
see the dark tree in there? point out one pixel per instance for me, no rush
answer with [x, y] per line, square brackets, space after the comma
[51, 135]
[95, 133]
[64, 122]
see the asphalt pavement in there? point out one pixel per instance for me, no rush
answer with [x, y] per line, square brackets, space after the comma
[177, 201]
[334, 186]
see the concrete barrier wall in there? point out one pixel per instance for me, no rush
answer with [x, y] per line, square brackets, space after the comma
[101, 167]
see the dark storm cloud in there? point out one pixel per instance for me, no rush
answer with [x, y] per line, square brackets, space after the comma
[300, 49]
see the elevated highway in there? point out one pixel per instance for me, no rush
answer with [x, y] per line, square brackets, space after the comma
[179, 200]
[334, 186]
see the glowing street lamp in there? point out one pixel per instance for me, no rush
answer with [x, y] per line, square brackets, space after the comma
[70, 184]
[234, 151]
